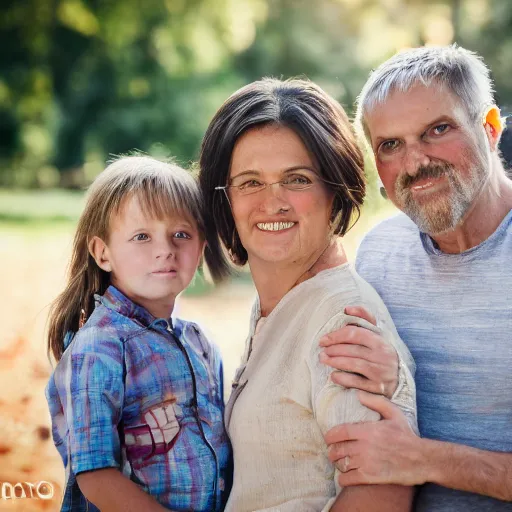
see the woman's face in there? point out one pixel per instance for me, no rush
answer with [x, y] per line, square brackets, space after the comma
[278, 224]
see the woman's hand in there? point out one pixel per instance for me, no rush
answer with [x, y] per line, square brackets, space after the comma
[366, 361]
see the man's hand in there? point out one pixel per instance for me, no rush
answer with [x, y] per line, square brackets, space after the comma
[373, 363]
[388, 452]
[381, 452]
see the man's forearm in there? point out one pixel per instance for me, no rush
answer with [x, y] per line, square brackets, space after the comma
[468, 469]
[374, 498]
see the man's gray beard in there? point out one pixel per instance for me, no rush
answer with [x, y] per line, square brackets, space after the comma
[443, 214]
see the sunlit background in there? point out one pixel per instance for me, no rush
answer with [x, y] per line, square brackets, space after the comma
[82, 80]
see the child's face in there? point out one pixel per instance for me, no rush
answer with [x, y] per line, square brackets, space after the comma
[151, 261]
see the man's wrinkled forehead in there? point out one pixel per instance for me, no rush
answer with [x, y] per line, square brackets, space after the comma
[419, 105]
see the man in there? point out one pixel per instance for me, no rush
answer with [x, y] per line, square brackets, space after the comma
[443, 270]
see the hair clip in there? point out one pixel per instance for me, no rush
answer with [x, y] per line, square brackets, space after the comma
[82, 319]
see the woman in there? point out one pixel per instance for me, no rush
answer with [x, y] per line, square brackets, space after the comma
[282, 175]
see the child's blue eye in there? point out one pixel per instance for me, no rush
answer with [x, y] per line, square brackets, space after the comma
[141, 237]
[182, 235]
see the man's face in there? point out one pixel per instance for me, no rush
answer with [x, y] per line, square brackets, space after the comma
[432, 160]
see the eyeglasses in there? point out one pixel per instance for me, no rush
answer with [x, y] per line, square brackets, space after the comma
[245, 186]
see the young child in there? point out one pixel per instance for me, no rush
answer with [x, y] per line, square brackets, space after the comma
[136, 397]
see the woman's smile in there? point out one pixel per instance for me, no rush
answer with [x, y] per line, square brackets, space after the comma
[275, 226]
[285, 223]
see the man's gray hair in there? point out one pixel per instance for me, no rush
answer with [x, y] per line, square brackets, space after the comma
[461, 71]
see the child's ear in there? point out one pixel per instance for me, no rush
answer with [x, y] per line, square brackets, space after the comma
[200, 260]
[99, 251]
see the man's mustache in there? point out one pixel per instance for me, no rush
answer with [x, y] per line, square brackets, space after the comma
[432, 171]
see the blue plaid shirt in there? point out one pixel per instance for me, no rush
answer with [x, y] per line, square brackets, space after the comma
[135, 393]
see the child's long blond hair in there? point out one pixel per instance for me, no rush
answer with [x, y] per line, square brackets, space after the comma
[162, 189]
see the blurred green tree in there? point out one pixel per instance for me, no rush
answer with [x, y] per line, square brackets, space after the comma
[84, 79]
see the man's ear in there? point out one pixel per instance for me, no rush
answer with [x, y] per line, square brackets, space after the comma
[493, 126]
[99, 251]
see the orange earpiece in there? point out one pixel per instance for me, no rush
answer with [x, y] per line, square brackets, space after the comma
[492, 118]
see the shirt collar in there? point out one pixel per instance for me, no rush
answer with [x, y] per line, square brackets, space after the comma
[117, 301]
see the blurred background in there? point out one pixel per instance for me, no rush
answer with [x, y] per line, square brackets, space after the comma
[83, 80]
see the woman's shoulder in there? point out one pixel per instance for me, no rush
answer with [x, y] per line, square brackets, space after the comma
[314, 303]
[341, 285]
[332, 290]
[356, 291]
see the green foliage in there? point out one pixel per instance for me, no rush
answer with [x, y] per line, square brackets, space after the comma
[84, 79]
[40, 206]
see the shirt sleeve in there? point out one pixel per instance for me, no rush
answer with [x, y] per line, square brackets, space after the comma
[405, 394]
[334, 405]
[90, 382]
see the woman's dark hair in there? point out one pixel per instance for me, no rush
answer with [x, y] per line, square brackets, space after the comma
[323, 127]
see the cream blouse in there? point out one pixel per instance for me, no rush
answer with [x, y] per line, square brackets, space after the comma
[283, 400]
